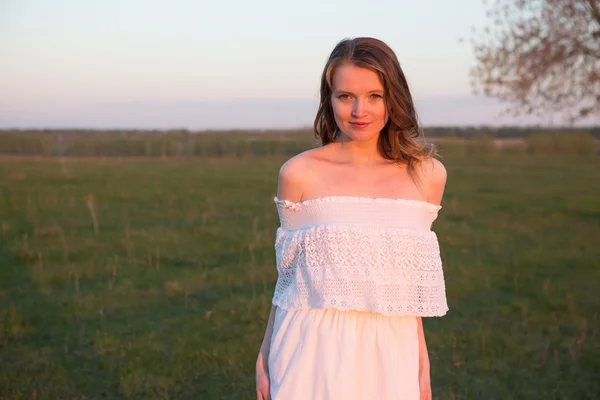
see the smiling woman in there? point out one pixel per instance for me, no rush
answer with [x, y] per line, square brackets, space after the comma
[357, 100]
[363, 78]
[358, 265]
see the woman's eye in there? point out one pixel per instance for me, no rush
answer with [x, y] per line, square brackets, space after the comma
[377, 96]
[343, 96]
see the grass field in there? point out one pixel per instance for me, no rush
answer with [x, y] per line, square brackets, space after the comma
[152, 279]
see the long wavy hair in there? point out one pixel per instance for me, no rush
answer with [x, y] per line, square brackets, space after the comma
[401, 139]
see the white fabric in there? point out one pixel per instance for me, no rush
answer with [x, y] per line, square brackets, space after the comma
[328, 354]
[362, 254]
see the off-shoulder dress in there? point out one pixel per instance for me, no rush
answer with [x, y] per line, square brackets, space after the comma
[354, 273]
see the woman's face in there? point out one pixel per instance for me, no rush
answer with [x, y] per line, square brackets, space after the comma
[358, 103]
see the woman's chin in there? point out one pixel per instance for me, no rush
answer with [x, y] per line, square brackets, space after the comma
[362, 136]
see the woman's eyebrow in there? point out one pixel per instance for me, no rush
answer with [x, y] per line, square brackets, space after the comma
[349, 92]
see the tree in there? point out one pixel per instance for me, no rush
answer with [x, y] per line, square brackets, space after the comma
[542, 56]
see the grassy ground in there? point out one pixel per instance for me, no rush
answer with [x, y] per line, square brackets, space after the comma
[150, 279]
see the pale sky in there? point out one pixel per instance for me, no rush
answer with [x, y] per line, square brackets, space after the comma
[201, 64]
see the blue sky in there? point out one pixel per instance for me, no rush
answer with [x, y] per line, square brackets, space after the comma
[221, 64]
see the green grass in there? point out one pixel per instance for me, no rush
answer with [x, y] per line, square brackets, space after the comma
[150, 279]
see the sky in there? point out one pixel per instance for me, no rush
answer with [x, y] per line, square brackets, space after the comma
[202, 64]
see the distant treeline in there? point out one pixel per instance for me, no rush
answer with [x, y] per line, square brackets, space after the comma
[505, 132]
[240, 143]
[555, 144]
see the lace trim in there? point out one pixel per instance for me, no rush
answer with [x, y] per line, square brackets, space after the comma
[389, 271]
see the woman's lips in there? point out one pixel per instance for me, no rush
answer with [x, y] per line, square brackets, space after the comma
[359, 124]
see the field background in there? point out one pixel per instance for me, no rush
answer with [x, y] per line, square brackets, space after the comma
[149, 276]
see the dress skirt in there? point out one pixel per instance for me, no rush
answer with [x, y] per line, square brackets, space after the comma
[328, 354]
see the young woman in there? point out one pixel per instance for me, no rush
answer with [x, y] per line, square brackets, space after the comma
[357, 261]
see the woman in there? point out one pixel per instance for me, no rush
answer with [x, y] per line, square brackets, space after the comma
[358, 264]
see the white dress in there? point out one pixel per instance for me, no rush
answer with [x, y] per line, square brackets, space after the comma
[353, 275]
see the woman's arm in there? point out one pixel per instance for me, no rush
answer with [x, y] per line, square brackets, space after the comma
[263, 386]
[424, 377]
[289, 187]
[435, 176]
[423, 355]
[266, 343]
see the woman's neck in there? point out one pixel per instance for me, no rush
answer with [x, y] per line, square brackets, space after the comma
[359, 152]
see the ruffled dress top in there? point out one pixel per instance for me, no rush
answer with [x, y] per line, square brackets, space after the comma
[363, 254]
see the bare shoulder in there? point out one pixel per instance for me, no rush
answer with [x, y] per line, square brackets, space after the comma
[434, 176]
[434, 171]
[295, 174]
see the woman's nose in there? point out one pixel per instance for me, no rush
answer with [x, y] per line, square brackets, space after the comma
[358, 108]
